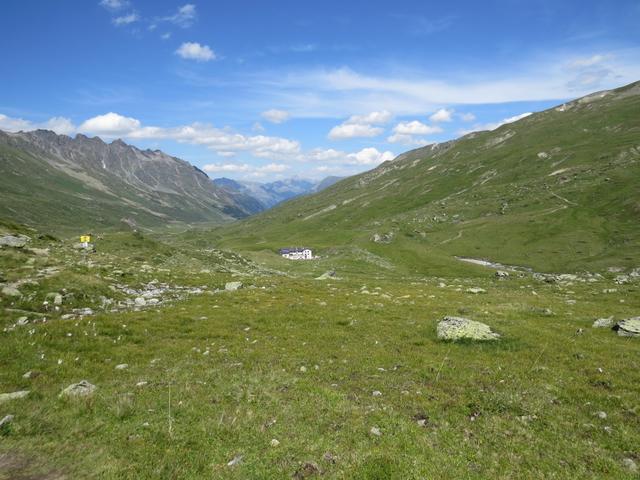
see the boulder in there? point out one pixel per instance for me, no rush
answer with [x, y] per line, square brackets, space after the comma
[81, 389]
[476, 290]
[629, 327]
[140, 302]
[232, 286]
[457, 328]
[14, 241]
[502, 274]
[11, 291]
[6, 397]
[327, 275]
[603, 322]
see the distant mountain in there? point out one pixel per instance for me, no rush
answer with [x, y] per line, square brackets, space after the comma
[62, 182]
[256, 197]
[558, 190]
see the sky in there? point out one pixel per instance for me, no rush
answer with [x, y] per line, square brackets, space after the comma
[257, 90]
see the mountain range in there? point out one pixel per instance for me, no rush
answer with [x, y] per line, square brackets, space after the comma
[61, 182]
[256, 197]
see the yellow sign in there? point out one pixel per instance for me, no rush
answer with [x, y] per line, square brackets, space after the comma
[85, 238]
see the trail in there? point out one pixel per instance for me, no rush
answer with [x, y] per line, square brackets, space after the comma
[564, 199]
[452, 239]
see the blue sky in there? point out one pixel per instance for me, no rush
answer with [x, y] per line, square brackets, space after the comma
[263, 90]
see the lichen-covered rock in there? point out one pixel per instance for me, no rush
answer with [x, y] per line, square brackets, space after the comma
[81, 389]
[629, 327]
[5, 397]
[603, 322]
[14, 241]
[457, 328]
[232, 286]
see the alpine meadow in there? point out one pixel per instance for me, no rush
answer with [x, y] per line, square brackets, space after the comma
[343, 242]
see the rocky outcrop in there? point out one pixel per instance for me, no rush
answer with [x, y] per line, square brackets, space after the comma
[458, 328]
[629, 327]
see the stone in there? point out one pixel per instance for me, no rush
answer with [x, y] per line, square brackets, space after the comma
[11, 291]
[81, 389]
[7, 397]
[476, 290]
[122, 366]
[629, 327]
[31, 374]
[6, 420]
[502, 274]
[601, 415]
[375, 431]
[457, 328]
[140, 302]
[237, 460]
[377, 393]
[57, 299]
[306, 470]
[14, 241]
[327, 275]
[232, 286]
[603, 323]
[630, 465]
[39, 252]
[274, 442]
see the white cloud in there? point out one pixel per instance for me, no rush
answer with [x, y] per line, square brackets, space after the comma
[184, 17]
[110, 124]
[257, 127]
[467, 117]
[126, 19]
[60, 125]
[589, 61]
[415, 128]
[492, 126]
[276, 116]
[404, 139]
[373, 118]
[442, 115]
[353, 130]
[246, 169]
[361, 126]
[114, 4]
[370, 156]
[166, 36]
[195, 51]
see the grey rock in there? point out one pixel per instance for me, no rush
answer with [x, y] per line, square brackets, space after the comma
[237, 460]
[630, 465]
[629, 327]
[327, 275]
[18, 241]
[502, 274]
[57, 299]
[232, 286]
[140, 302]
[375, 431]
[457, 328]
[81, 389]
[6, 420]
[122, 366]
[476, 290]
[6, 397]
[603, 323]
[11, 291]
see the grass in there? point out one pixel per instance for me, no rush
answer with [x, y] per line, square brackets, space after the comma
[522, 407]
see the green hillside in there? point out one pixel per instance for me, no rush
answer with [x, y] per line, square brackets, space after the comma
[557, 190]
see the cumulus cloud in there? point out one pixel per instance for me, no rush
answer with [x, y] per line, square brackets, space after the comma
[467, 117]
[415, 128]
[126, 19]
[60, 125]
[184, 17]
[276, 116]
[110, 124]
[361, 126]
[195, 51]
[494, 125]
[442, 115]
[114, 4]
[353, 130]
[588, 61]
[246, 169]
[403, 133]
[370, 156]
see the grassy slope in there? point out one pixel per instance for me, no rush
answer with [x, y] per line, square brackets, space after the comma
[487, 195]
[521, 408]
